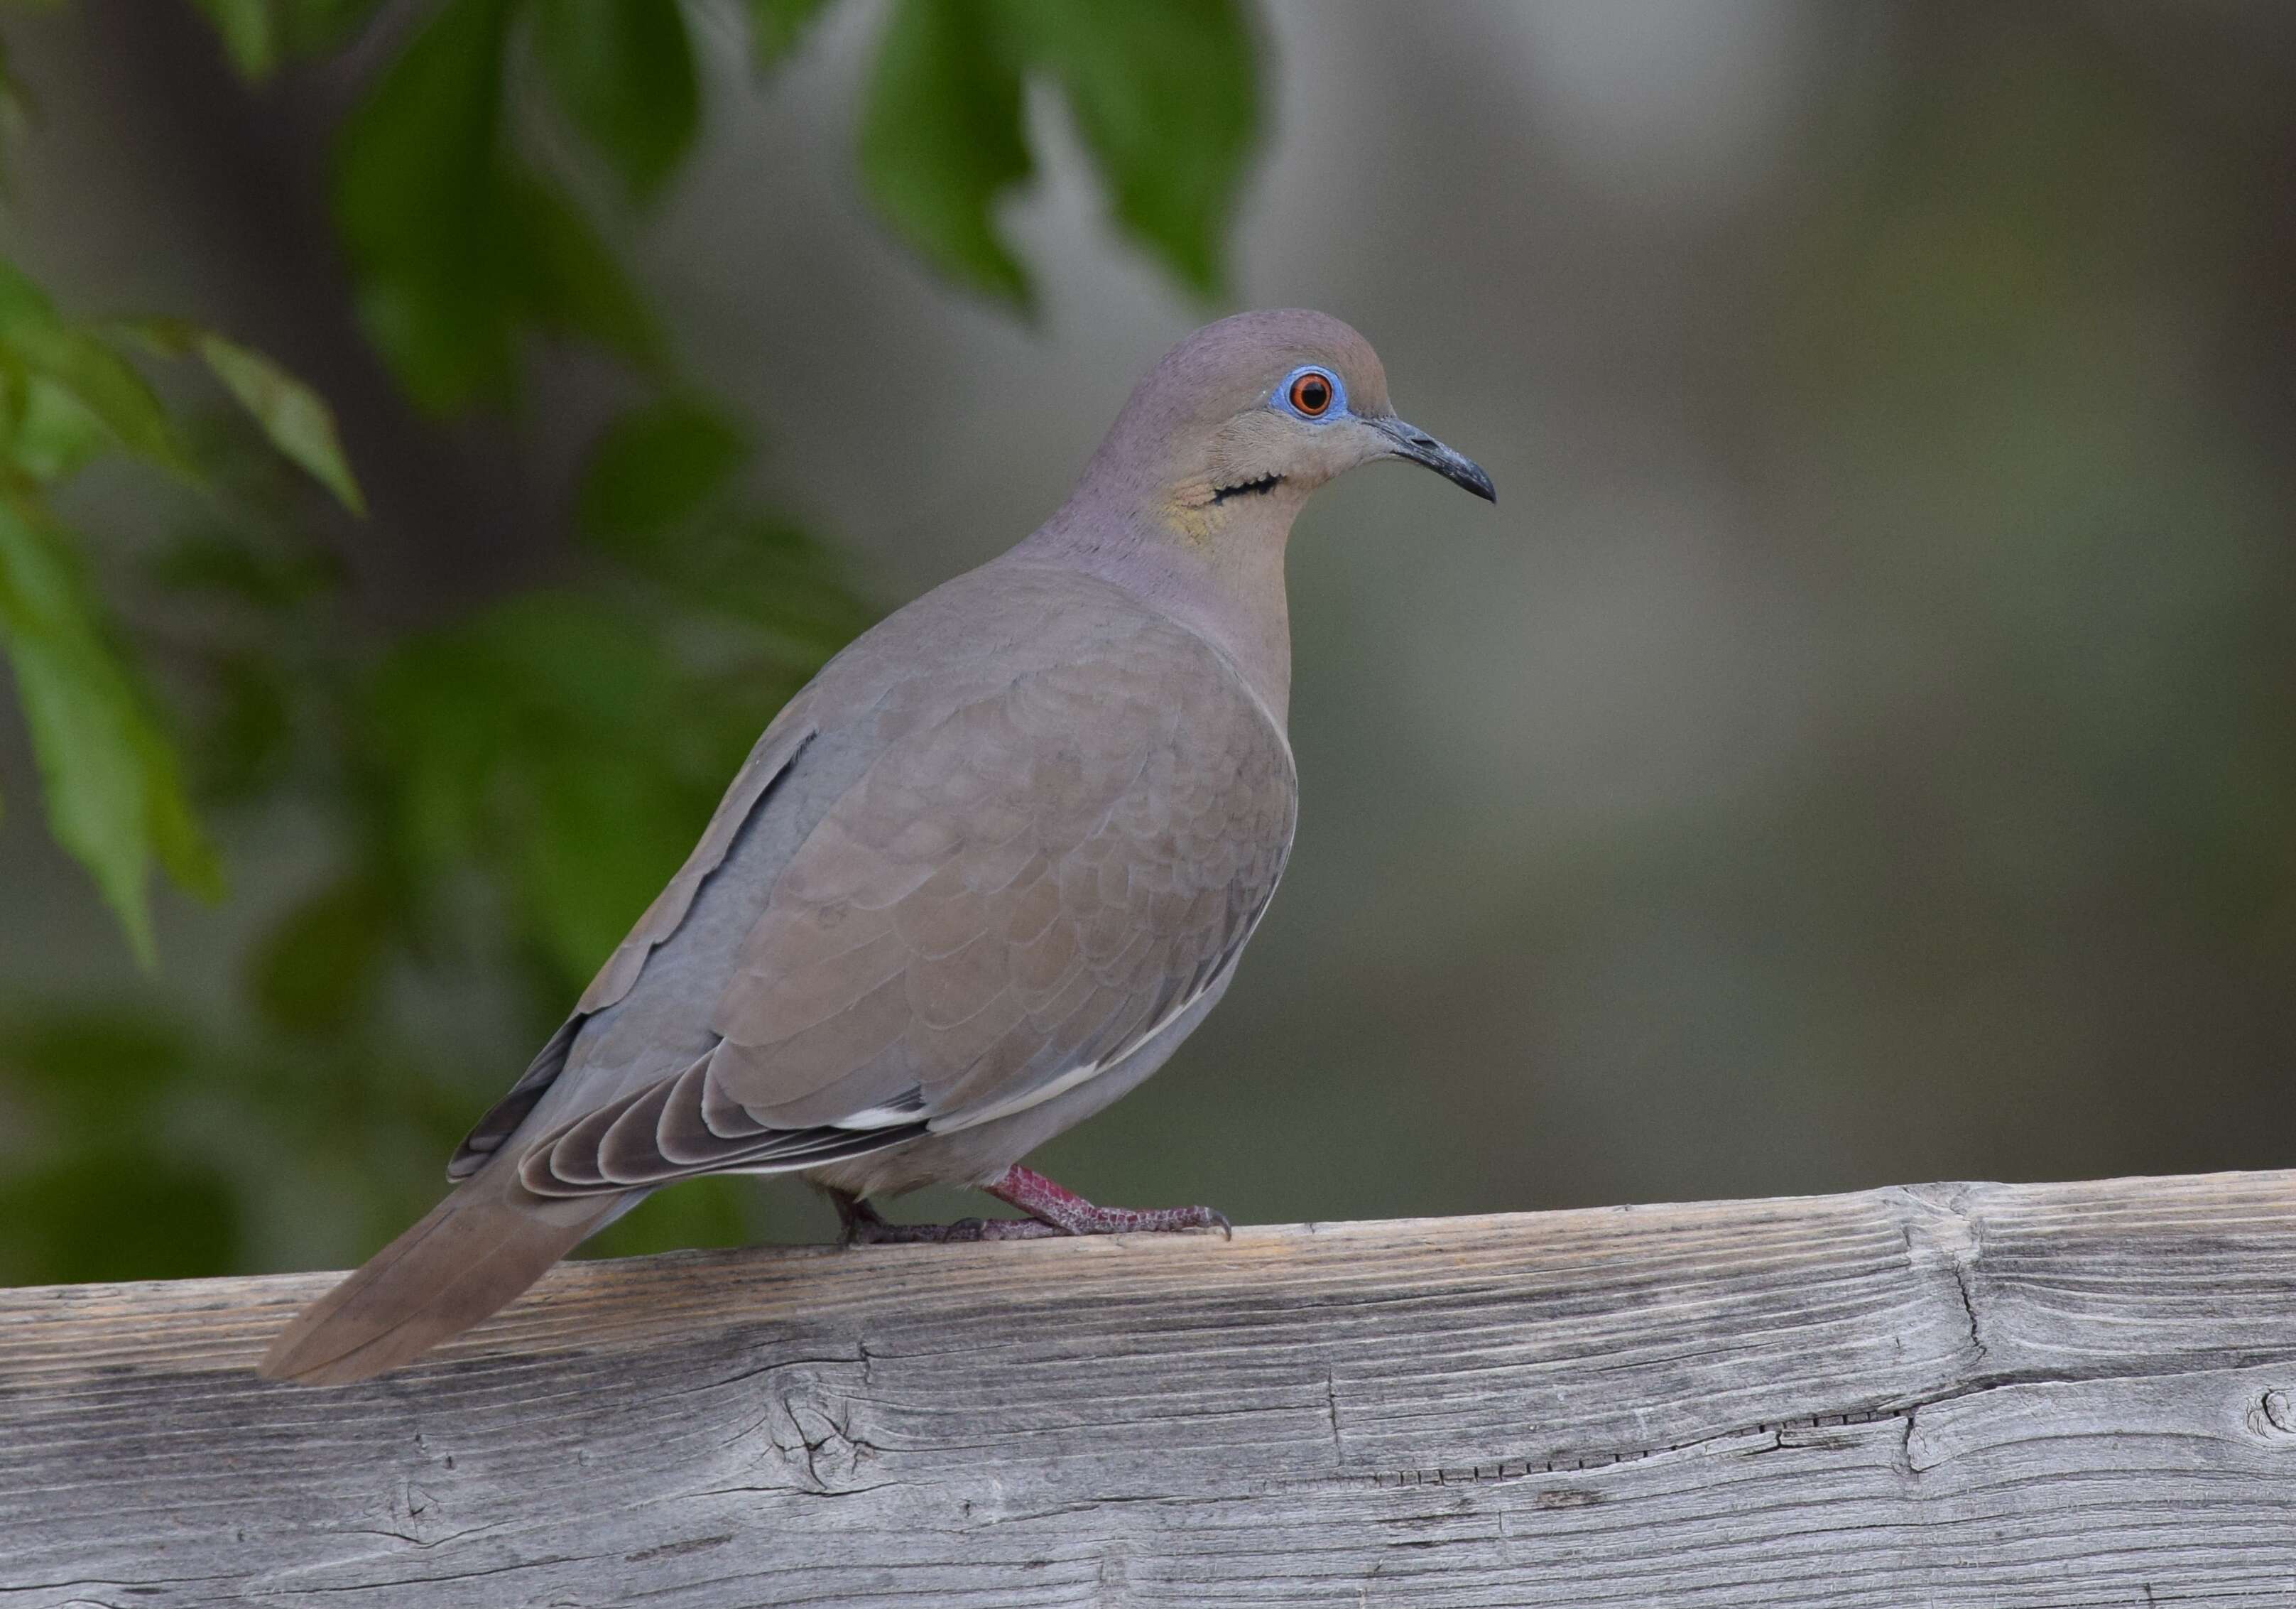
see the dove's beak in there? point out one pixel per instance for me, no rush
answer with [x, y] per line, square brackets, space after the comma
[1412, 443]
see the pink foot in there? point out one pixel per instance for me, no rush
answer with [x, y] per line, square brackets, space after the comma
[1070, 1214]
[1051, 1209]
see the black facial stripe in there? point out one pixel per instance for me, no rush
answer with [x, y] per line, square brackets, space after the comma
[1243, 488]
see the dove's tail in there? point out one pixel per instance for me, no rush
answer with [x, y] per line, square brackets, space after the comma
[467, 1258]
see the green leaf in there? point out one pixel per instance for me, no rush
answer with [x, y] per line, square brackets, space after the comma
[37, 342]
[1166, 94]
[569, 285]
[418, 199]
[941, 139]
[54, 434]
[184, 850]
[295, 418]
[654, 468]
[114, 797]
[776, 26]
[457, 251]
[623, 72]
[250, 34]
[293, 414]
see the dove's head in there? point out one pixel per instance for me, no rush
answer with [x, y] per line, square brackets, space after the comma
[1244, 418]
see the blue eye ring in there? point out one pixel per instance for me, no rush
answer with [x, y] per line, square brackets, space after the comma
[1312, 392]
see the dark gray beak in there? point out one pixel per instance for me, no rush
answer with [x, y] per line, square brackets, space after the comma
[1420, 447]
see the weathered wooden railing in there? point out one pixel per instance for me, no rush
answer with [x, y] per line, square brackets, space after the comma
[1962, 1396]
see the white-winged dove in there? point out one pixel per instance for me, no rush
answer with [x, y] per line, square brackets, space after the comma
[978, 880]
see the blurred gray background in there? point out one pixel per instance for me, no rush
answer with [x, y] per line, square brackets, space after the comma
[1859, 747]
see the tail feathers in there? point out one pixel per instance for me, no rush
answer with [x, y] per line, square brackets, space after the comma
[476, 1250]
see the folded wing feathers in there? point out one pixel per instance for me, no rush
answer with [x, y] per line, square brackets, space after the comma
[1022, 891]
[661, 1133]
[504, 1117]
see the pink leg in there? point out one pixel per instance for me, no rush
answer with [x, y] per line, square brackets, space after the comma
[1070, 1213]
[1051, 1209]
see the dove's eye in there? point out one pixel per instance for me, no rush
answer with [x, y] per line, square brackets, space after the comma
[1311, 393]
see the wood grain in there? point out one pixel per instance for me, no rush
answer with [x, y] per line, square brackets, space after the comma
[1947, 1395]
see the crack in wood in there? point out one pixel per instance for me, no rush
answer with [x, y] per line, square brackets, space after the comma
[1753, 1435]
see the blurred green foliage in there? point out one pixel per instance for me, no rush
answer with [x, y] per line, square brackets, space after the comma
[500, 795]
[259, 35]
[115, 798]
[1161, 91]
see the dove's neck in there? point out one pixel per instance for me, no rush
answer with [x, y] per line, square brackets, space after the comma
[1227, 587]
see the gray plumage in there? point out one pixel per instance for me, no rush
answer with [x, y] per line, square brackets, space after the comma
[976, 881]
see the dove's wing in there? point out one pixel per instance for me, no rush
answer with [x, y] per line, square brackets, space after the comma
[1038, 869]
